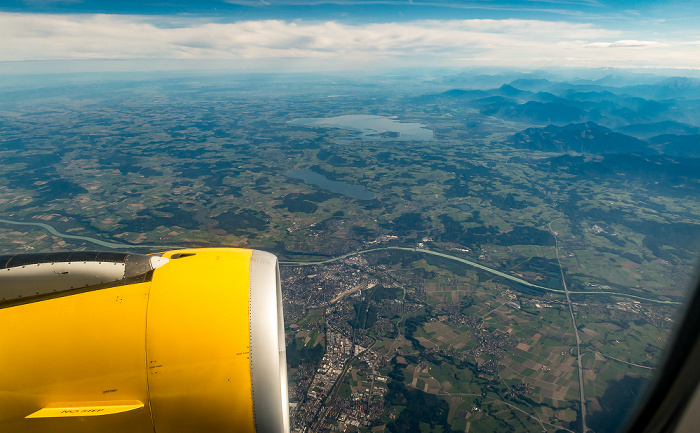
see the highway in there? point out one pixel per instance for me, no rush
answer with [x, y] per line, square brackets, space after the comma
[584, 429]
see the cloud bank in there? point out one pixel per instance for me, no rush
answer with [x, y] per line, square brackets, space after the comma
[334, 45]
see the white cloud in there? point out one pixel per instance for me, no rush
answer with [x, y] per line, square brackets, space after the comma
[627, 44]
[523, 43]
[633, 43]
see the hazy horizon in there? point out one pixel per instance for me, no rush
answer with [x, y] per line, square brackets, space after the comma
[56, 36]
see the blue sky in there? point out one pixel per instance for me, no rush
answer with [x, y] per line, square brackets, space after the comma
[361, 10]
[37, 35]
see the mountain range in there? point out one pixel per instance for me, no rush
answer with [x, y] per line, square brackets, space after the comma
[591, 138]
[643, 109]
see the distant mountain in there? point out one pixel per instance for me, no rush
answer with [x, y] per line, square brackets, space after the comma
[647, 130]
[531, 84]
[591, 96]
[562, 89]
[585, 137]
[507, 102]
[687, 146]
[670, 88]
[621, 80]
[681, 83]
[493, 102]
[557, 86]
[458, 96]
[536, 112]
[615, 111]
[507, 90]
[541, 102]
[547, 97]
[462, 94]
[488, 81]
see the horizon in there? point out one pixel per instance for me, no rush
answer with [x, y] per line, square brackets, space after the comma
[55, 36]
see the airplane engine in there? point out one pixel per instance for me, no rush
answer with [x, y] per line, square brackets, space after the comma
[184, 341]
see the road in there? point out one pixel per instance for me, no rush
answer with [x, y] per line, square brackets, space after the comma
[625, 362]
[584, 429]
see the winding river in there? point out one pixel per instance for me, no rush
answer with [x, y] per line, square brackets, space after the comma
[114, 245]
[99, 242]
[479, 266]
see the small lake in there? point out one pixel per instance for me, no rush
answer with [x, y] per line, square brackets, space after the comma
[465, 207]
[346, 189]
[371, 128]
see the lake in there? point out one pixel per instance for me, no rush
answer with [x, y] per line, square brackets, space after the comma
[346, 189]
[371, 128]
[465, 207]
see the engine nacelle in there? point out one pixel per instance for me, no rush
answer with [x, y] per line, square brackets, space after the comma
[187, 341]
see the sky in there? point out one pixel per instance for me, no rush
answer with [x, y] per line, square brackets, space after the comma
[303, 35]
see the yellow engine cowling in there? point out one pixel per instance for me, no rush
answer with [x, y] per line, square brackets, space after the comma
[188, 341]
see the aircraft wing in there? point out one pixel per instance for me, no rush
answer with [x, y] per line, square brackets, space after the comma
[184, 341]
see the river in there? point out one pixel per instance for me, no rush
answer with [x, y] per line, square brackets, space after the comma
[99, 242]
